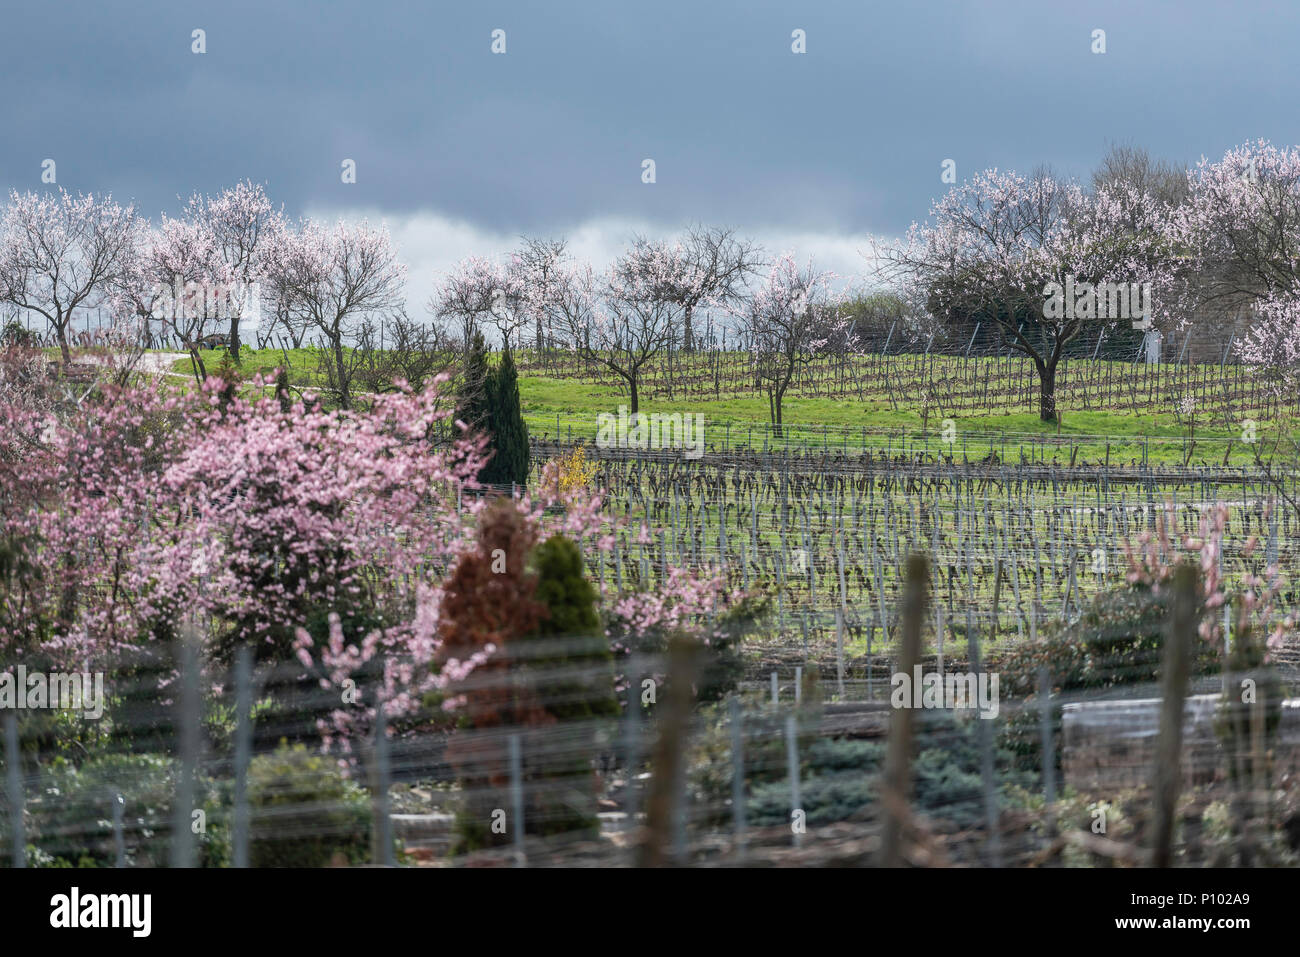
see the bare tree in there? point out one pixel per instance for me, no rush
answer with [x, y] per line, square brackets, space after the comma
[414, 353]
[1133, 168]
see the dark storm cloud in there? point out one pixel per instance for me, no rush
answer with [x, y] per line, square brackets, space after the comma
[847, 137]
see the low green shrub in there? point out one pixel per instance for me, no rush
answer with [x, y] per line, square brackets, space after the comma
[946, 780]
[305, 812]
[70, 822]
[826, 799]
[1117, 640]
[1252, 683]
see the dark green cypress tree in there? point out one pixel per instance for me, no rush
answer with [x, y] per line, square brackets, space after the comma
[472, 402]
[567, 666]
[282, 393]
[570, 602]
[509, 433]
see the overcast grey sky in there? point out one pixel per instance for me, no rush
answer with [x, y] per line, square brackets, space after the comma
[461, 150]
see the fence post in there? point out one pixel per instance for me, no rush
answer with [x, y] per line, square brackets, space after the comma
[383, 826]
[997, 599]
[899, 755]
[517, 799]
[792, 766]
[1167, 776]
[14, 779]
[119, 843]
[1231, 339]
[985, 731]
[664, 802]
[187, 646]
[243, 753]
[737, 776]
[631, 743]
[839, 652]
[938, 636]
[1047, 745]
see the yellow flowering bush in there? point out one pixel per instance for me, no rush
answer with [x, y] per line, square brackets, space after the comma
[574, 473]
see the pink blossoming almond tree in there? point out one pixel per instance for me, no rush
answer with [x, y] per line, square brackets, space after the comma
[993, 244]
[478, 291]
[127, 515]
[786, 322]
[624, 317]
[174, 267]
[334, 279]
[245, 231]
[1238, 234]
[60, 253]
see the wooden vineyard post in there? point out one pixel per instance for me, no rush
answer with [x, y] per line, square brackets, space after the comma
[839, 555]
[14, 787]
[1020, 608]
[997, 595]
[985, 731]
[897, 779]
[516, 797]
[1175, 665]
[665, 802]
[938, 636]
[839, 652]
[382, 835]
[243, 753]
[632, 746]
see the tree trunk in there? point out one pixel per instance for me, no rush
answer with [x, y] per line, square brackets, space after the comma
[1047, 391]
[338, 364]
[68, 594]
[688, 336]
[234, 338]
[635, 397]
[61, 332]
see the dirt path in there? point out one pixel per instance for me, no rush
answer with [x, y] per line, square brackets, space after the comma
[160, 363]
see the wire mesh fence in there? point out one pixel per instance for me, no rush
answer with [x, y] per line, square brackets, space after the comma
[1114, 748]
